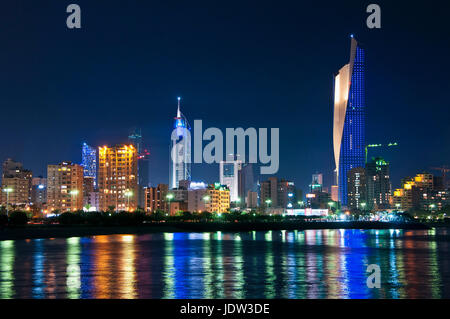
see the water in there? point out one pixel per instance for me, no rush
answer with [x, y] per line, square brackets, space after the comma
[274, 264]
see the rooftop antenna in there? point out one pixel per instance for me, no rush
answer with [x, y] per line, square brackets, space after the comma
[178, 111]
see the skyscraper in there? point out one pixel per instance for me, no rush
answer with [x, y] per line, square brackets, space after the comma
[143, 164]
[246, 182]
[89, 162]
[117, 177]
[180, 150]
[357, 188]
[349, 138]
[229, 170]
[378, 183]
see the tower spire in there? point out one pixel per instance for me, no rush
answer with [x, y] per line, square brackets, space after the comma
[178, 111]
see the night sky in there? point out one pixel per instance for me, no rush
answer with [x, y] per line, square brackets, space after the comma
[235, 64]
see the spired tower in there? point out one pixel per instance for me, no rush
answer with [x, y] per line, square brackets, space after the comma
[180, 150]
[349, 126]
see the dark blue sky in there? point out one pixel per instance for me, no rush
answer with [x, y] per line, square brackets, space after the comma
[235, 64]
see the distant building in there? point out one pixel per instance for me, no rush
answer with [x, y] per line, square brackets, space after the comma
[280, 192]
[357, 188]
[90, 194]
[117, 178]
[349, 117]
[214, 199]
[317, 200]
[252, 199]
[316, 183]
[64, 187]
[143, 164]
[180, 150]
[229, 176]
[16, 184]
[421, 192]
[89, 162]
[334, 193]
[246, 182]
[39, 191]
[155, 198]
[378, 184]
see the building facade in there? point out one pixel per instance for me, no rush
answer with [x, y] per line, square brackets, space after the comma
[117, 178]
[155, 198]
[89, 162]
[349, 118]
[229, 176]
[357, 188]
[378, 184]
[65, 187]
[39, 191]
[423, 192]
[16, 184]
[278, 193]
[180, 150]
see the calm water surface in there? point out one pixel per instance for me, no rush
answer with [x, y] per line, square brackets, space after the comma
[273, 264]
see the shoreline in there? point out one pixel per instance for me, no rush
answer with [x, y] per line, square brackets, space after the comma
[60, 231]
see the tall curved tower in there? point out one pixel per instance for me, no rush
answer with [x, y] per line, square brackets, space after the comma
[180, 150]
[349, 126]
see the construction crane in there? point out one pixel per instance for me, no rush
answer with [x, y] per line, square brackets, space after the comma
[378, 145]
[444, 170]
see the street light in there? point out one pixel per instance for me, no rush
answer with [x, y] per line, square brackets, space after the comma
[397, 206]
[169, 197]
[331, 204]
[74, 192]
[7, 191]
[363, 205]
[206, 198]
[300, 203]
[268, 202]
[128, 194]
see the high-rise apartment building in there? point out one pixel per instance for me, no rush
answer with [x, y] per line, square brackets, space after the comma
[180, 150]
[349, 118]
[39, 191]
[357, 188]
[117, 178]
[65, 187]
[89, 162]
[378, 184]
[16, 184]
[421, 192]
[155, 198]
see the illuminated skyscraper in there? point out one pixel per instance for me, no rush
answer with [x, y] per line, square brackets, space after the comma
[349, 138]
[89, 162]
[117, 177]
[180, 150]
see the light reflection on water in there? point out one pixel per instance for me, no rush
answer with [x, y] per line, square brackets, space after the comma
[272, 264]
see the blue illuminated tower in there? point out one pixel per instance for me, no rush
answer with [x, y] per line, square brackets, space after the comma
[349, 137]
[89, 162]
[180, 150]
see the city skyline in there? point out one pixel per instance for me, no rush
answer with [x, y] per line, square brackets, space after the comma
[259, 87]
